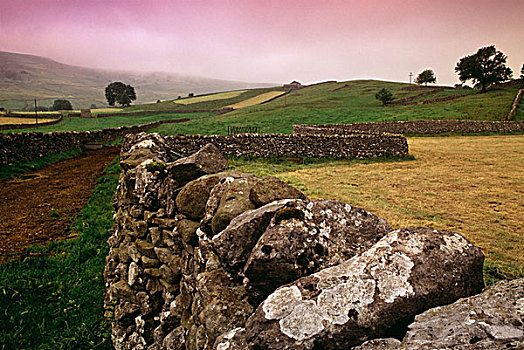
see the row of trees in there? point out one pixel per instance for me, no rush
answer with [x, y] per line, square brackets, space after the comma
[485, 68]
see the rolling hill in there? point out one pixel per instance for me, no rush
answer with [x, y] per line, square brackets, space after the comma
[26, 77]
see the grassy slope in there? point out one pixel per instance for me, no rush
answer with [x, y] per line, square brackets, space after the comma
[334, 103]
[208, 104]
[54, 301]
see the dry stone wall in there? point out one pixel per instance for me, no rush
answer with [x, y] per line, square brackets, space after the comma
[313, 146]
[15, 147]
[425, 127]
[203, 258]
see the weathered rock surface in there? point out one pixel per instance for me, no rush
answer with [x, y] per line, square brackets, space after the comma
[369, 295]
[208, 160]
[305, 237]
[493, 319]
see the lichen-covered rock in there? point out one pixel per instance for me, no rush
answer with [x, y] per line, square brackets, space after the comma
[215, 197]
[224, 303]
[270, 189]
[235, 339]
[208, 160]
[234, 201]
[192, 199]
[378, 291]
[234, 244]
[490, 320]
[379, 344]
[305, 237]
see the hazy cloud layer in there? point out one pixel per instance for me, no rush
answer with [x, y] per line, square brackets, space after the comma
[266, 41]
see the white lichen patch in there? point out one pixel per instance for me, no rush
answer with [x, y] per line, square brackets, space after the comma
[454, 243]
[391, 274]
[335, 303]
[132, 273]
[142, 144]
[304, 321]
[280, 302]
[224, 345]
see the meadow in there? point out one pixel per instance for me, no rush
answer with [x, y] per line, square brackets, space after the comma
[473, 185]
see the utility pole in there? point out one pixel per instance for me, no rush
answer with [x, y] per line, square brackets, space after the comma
[410, 76]
[36, 114]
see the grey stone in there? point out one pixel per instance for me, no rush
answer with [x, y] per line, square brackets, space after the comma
[192, 199]
[234, 244]
[207, 160]
[234, 201]
[380, 290]
[490, 320]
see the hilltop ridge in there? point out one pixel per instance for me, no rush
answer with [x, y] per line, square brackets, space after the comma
[26, 77]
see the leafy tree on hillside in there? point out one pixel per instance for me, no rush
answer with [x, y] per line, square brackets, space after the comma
[385, 96]
[118, 92]
[486, 67]
[62, 105]
[425, 77]
[522, 72]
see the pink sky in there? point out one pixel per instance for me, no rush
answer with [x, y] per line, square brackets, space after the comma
[266, 40]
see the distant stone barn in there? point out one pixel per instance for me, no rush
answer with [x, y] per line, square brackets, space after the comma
[294, 85]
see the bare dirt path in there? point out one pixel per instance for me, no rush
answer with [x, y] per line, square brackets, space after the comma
[41, 209]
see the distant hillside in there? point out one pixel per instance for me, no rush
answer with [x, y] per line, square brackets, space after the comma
[26, 77]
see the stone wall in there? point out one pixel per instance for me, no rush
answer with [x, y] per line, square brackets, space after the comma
[424, 127]
[201, 258]
[315, 146]
[15, 147]
[513, 110]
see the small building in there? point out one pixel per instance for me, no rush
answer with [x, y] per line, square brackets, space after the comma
[86, 113]
[294, 85]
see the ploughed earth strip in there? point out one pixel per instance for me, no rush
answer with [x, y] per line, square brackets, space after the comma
[39, 207]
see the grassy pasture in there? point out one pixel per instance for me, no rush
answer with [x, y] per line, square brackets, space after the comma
[210, 97]
[470, 185]
[354, 102]
[257, 99]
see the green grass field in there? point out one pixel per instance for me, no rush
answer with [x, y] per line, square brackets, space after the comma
[332, 103]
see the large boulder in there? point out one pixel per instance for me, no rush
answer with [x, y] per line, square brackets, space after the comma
[490, 320]
[305, 237]
[208, 160]
[375, 293]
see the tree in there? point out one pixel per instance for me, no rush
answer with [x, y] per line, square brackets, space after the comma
[120, 93]
[522, 72]
[486, 67]
[425, 77]
[59, 105]
[385, 96]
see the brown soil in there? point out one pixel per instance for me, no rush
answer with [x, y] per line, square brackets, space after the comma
[39, 207]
